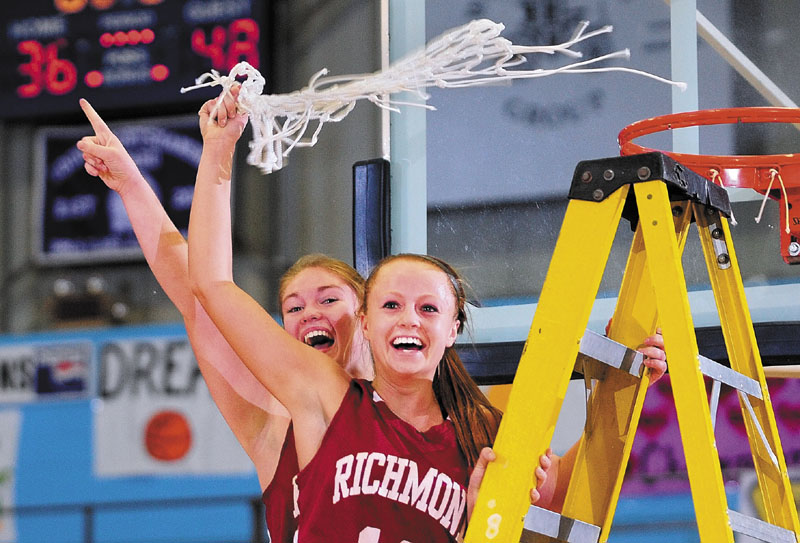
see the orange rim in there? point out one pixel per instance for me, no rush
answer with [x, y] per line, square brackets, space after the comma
[745, 171]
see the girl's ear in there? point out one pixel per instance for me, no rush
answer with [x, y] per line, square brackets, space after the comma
[362, 322]
[453, 335]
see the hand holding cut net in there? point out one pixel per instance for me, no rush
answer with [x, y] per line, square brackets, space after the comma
[471, 55]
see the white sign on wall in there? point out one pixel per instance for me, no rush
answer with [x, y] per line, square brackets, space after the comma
[154, 414]
[520, 142]
[35, 371]
[10, 421]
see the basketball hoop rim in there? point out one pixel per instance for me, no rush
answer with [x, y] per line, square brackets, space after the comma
[757, 172]
[720, 163]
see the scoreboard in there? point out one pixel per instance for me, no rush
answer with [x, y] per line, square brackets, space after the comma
[78, 220]
[121, 55]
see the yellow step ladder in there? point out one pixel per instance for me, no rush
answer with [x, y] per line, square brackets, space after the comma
[661, 198]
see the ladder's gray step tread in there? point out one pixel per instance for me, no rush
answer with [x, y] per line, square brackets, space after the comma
[617, 355]
[544, 522]
[730, 377]
[759, 529]
[610, 352]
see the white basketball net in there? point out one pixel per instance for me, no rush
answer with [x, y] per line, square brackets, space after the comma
[470, 55]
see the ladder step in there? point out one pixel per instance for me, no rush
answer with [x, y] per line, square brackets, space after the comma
[611, 353]
[730, 377]
[543, 522]
[617, 355]
[759, 529]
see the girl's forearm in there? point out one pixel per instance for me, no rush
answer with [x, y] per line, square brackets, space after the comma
[162, 244]
[211, 253]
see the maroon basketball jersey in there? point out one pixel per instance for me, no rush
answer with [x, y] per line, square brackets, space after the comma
[278, 497]
[377, 479]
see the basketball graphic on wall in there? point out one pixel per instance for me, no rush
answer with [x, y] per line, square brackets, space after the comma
[168, 436]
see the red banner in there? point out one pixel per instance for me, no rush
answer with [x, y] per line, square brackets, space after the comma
[657, 462]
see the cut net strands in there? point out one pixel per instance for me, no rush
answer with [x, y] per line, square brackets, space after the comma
[773, 174]
[471, 55]
[716, 177]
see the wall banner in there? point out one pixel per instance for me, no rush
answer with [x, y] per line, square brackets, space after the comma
[33, 371]
[154, 414]
[657, 463]
[10, 420]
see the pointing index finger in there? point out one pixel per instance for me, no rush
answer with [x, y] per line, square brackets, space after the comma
[100, 127]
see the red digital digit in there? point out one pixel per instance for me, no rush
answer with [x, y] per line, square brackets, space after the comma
[214, 50]
[45, 69]
[32, 69]
[243, 42]
[61, 75]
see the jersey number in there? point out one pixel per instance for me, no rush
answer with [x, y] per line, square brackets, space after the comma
[372, 535]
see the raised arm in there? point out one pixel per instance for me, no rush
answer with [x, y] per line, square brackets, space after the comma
[309, 383]
[255, 417]
[162, 244]
[260, 431]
